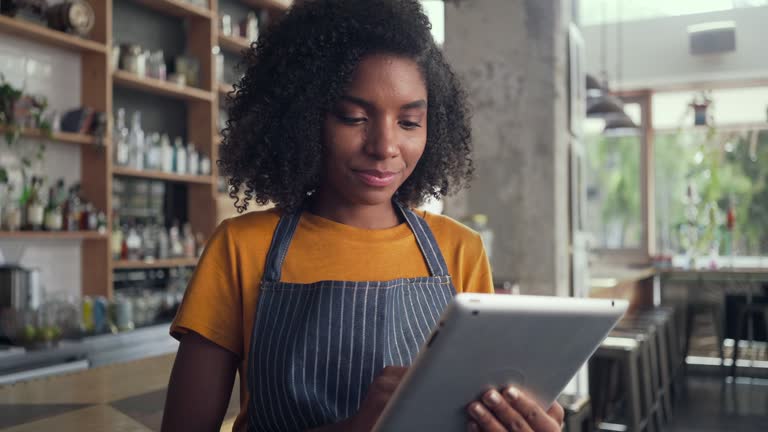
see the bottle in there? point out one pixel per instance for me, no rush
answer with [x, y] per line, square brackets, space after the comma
[163, 242]
[53, 211]
[35, 209]
[180, 166]
[193, 162]
[177, 249]
[166, 154]
[136, 142]
[189, 241]
[154, 151]
[120, 139]
[12, 212]
[133, 242]
[205, 165]
[116, 239]
[149, 243]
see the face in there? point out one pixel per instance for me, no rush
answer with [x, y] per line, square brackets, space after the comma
[377, 132]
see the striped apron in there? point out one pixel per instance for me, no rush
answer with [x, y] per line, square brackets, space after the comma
[315, 348]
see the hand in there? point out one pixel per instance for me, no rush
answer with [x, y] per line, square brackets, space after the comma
[379, 394]
[513, 411]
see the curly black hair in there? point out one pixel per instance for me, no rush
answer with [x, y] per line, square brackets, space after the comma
[297, 71]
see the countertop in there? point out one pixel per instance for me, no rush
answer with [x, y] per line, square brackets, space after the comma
[120, 397]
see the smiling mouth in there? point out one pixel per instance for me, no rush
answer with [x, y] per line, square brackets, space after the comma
[376, 178]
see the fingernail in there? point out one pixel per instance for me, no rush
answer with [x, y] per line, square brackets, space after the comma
[513, 393]
[472, 427]
[492, 398]
[478, 409]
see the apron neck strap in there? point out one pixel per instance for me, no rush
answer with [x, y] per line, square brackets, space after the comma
[286, 228]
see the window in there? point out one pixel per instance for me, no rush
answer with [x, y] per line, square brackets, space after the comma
[704, 173]
[614, 177]
[595, 12]
[701, 176]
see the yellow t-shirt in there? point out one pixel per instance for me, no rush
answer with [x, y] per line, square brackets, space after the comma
[220, 302]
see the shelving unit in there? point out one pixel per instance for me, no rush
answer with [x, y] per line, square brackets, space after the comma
[52, 235]
[279, 5]
[155, 264]
[233, 44]
[159, 175]
[159, 87]
[97, 83]
[36, 32]
[59, 137]
[224, 89]
[177, 8]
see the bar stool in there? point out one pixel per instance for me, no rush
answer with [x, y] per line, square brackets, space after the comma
[754, 310]
[649, 367]
[657, 325]
[712, 309]
[623, 354]
[578, 413]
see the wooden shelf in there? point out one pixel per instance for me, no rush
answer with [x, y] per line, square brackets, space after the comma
[164, 88]
[51, 235]
[177, 8]
[159, 175]
[224, 89]
[270, 4]
[61, 137]
[234, 44]
[165, 263]
[36, 32]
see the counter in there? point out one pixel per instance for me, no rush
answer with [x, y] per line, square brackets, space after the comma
[89, 351]
[120, 397]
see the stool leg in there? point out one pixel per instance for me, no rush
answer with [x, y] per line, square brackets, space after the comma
[665, 372]
[633, 393]
[720, 338]
[739, 329]
[647, 385]
[689, 316]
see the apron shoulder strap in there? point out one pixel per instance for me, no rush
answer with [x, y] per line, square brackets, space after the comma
[426, 241]
[279, 246]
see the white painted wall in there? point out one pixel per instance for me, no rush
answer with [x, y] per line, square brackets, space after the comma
[54, 73]
[655, 54]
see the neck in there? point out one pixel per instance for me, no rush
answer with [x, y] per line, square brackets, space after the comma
[377, 216]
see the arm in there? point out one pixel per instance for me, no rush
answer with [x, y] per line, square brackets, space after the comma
[200, 386]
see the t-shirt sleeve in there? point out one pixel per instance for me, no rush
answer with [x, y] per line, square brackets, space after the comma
[212, 304]
[478, 278]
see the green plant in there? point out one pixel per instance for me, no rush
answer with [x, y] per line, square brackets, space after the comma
[12, 102]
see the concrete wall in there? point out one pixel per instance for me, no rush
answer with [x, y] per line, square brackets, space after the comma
[511, 55]
[655, 52]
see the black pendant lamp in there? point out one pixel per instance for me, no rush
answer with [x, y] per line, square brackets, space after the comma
[604, 105]
[618, 121]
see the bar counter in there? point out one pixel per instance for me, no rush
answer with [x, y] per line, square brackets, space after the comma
[120, 397]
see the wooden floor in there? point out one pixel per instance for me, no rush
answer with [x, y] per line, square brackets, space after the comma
[121, 397]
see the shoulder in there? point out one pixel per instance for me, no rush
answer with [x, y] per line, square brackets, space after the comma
[251, 225]
[451, 233]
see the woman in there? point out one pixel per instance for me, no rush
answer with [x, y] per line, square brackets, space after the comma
[347, 118]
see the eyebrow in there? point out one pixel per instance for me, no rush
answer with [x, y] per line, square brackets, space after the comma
[421, 103]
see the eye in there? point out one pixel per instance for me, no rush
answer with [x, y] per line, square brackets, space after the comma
[352, 121]
[409, 125]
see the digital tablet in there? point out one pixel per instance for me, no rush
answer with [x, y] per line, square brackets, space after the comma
[485, 341]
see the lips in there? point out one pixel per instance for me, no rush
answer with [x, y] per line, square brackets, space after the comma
[376, 178]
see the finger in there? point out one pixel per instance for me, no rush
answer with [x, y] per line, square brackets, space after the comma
[472, 427]
[557, 412]
[504, 412]
[533, 414]
[486, 421]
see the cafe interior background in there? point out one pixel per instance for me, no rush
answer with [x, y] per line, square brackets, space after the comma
[621, 147]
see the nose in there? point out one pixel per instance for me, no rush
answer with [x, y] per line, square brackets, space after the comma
[382, 140]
